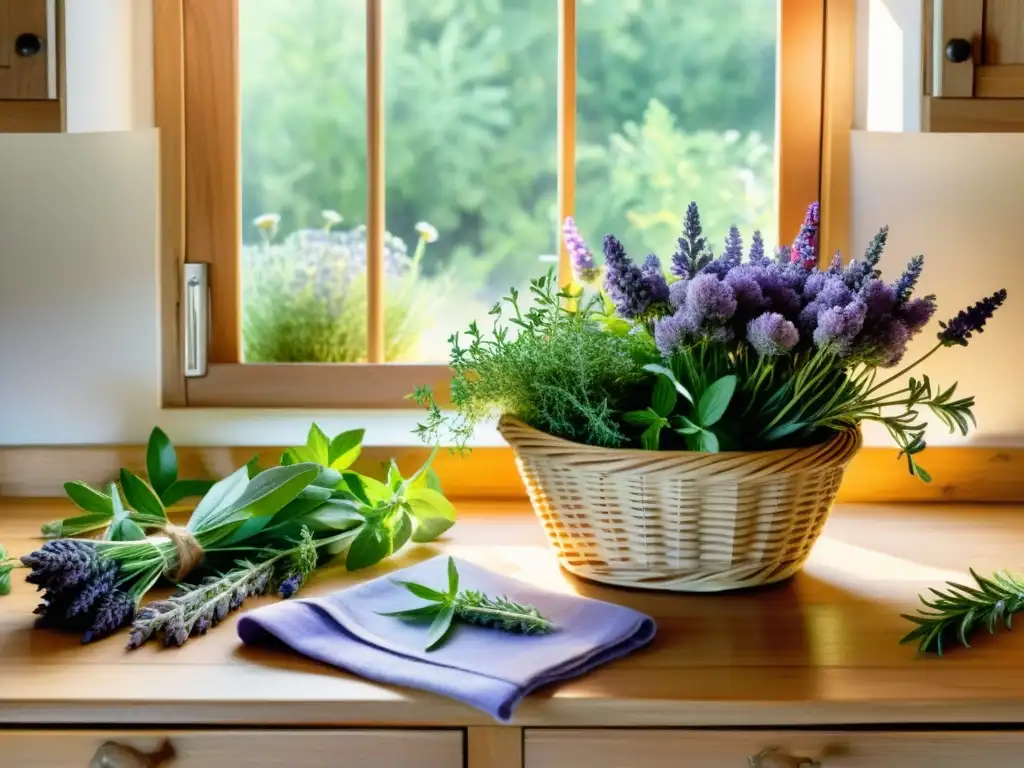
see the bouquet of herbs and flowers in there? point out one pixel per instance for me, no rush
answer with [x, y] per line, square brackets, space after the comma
[744, 351]
[251, 532]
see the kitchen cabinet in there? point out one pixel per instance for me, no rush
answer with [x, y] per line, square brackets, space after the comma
[30, 66]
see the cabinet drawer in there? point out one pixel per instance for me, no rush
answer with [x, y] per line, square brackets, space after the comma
[241, 749]
[733, 749]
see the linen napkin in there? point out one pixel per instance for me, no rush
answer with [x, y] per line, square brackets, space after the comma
[483, 667]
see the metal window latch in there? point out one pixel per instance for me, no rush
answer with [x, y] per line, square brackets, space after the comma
[196, 316]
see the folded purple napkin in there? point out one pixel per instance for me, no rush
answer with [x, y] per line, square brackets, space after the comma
[486, 668]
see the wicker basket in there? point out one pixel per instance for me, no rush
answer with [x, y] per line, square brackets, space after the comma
[678, 520]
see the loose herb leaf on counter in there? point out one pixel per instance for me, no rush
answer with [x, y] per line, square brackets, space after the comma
[958, 612]
[469, 606]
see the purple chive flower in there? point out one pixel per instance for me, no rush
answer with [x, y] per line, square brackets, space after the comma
[290, 585]
[693, 252]
[959, 329]
[677, 293]
[904, 286]
[779, 289]
[750, 299]
[654, 280]
[771, 334]
[757, 257]
[805, 247]
[582, 259]
[61, 564]
[710, 300]
[830, 292]
[814, 284]
[115, 611]
[673, 333]
[624, 281]
[837, 327]
[917, 313]
[879, 298]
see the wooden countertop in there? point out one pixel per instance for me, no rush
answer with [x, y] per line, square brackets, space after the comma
[820, 649]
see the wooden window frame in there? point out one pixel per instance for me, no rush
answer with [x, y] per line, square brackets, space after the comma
[198, 113]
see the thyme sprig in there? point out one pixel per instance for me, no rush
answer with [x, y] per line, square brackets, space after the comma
[959, 611]
[470, 606]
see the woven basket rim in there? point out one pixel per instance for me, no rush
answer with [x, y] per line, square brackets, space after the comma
[570, 445]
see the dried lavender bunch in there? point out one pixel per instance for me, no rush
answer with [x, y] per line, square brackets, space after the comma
[469, 606]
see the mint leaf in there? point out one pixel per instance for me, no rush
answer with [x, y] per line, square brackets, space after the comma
[707, 441]
[661, 370]
[433, 512]
[161, 461]
[643, 418]
[141, 497]
[371, 546]
[440, 626]
[345, 449]
[318, 445]
[664, 399]
[394, 476]
[89, 499]
[715, 400]
[651, 437]
[401, 532]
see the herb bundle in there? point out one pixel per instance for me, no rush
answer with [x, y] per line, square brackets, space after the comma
[286, 520]
[743, 351]
[470, 606]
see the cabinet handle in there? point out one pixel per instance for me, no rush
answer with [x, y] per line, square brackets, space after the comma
[772, 757]
[28, 44]
[959, 50]
[114, 755]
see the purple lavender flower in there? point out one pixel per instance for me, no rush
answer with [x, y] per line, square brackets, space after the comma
[837, 327]
[624, 281]
[805, 246]
[757, 257]
[771, 334]
[879, 298]
[835, 267]
[904, 286]
[831, 292]
[860, 271]
[959, 329]
[750, 299]
[94, 589]
[61, 564]
[693, 252]
[814, 284]
[290, 585]
[675, 332]
[780, 289]
[917, 313]
[115, 611]
[894, 339]
[677, 293]
[654, 280]
[582, 259]
[710, 300]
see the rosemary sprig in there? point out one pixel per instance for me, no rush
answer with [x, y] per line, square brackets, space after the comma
[959, 611]
[469, 606]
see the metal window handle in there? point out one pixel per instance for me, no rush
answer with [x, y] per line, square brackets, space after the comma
[114, 755]
[197, 318]
[772, 757]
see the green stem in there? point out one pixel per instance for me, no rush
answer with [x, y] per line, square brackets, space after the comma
[906, 369]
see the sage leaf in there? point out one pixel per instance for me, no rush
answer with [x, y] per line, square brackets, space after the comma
[651, 437]
[329, 478]
[126, 529]
[89, 499]
[71, 527]
[345, 449]
[661, 370]
[707, 441]
[271, 489]
[401, 531]
[441, 625]
[423, 612]
[221, 496]
[141, 497]
[434, 514]
[664, 399]
[371, 546]
[161, 461]
[715, 400]
[183, 489]
[333, 515]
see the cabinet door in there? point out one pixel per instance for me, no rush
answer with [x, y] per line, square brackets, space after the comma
[27, 52]
[769, 749]
[232, 749]
[975, 66]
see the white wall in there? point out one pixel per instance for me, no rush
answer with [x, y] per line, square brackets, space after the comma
[78, 320]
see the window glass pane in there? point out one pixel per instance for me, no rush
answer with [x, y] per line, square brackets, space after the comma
[675, 102]
[471, 136]
[303, 84]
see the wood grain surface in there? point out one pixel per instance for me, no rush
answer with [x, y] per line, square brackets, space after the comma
[819, 649]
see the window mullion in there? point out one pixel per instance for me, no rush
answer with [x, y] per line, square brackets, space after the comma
[566, 127]
[375, 181]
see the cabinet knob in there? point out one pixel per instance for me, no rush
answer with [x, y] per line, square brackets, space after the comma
[771, 757]
[28, 44]
[959, 50]
[114, 755]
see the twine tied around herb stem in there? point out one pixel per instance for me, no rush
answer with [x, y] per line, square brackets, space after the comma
[189, 550]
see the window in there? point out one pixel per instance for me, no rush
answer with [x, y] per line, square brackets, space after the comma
[366, 176]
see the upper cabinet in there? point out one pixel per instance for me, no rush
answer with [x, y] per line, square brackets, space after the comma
[30, 66]
[974, 65]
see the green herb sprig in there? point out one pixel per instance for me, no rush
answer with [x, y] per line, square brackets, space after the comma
[7, 564]
[955, 614]
[469, 606]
